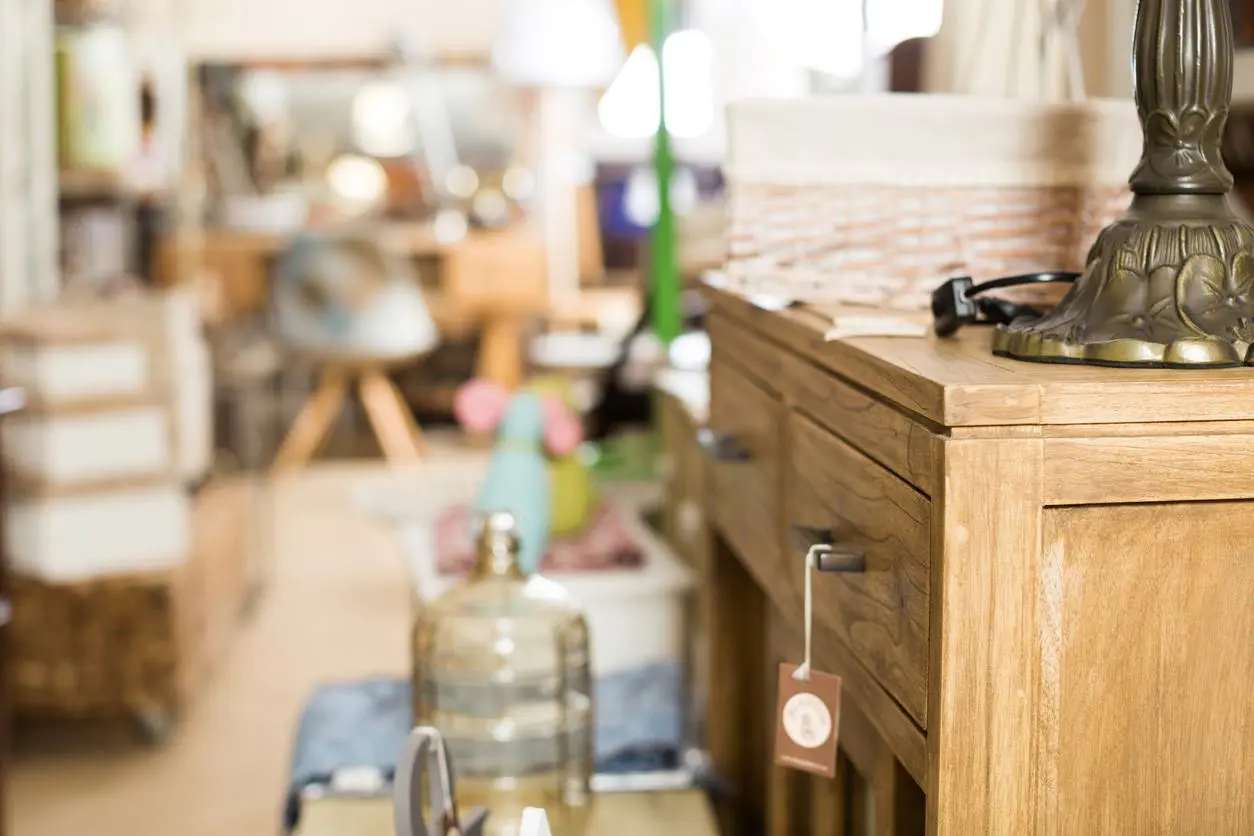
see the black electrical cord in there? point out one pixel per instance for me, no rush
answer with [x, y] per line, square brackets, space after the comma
[960, 302]
[1020, 281]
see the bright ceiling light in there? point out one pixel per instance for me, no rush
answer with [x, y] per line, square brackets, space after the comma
[891, 22]
[640, 198]
[265, 94]
[518, 183]
[629, 109]
[381, 120]
[357, 181]
[462, 182]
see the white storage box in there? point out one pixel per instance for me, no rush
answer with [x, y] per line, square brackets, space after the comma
[73, 354]
[76, 448]
[76, 536]
[183, 369]
[61, 360]
[636, 617]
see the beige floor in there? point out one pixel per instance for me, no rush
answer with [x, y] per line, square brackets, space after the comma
[338, 606]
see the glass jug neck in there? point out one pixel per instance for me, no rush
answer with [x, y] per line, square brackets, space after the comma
[497, 558]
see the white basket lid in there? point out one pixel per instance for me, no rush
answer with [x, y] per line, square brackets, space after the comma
[932, 140]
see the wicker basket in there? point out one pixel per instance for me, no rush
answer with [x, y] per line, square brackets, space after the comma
[109, 648]
[877, 199]
[134, 645]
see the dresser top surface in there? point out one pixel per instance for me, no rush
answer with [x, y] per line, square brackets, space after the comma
[958, 382]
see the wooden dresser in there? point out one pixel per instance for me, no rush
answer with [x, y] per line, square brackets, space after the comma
[1054, 629]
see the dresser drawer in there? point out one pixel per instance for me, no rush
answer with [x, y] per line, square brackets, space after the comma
[881, 613]
[744, 495]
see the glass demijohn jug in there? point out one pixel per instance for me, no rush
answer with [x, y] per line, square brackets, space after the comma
[501, 669]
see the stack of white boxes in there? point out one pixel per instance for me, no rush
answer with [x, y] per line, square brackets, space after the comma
[116, 426]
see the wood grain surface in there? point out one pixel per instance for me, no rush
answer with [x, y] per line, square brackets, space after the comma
[745, 495]
[906, 447]
[1052, 635]
[958, 382]
[985, 631]
[739, 710]
[1153, 669]
[881, 614]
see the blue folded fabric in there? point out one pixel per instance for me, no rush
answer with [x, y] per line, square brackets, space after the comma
[350, 725]
[362, 724]
[639, 709]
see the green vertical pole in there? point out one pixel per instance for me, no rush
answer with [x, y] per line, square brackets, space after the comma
[664, 265]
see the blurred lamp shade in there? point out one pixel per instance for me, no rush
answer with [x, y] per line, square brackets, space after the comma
[558, 43]
[631, 106]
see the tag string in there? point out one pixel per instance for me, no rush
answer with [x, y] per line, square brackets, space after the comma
[802, 674]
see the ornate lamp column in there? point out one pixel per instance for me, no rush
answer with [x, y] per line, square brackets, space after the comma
[1172, 284]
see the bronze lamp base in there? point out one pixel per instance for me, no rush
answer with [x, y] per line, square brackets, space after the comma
[1172, 283]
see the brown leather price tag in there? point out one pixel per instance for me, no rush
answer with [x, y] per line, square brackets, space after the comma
[807, 721]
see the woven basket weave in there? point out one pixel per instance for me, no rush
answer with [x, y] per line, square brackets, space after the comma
[103, 648]
[875, 200]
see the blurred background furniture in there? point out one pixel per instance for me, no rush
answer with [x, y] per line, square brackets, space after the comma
[277, 147]
[28, 156]
[682, 413]
[457, 280]
[558, 50]
[126, 585]
[398, 434]
[352, 307]
[12, 401]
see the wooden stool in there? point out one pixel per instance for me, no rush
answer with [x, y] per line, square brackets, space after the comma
[394, 426]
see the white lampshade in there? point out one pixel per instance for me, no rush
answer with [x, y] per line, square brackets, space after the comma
[558, 43]
[823, 35]
[631, 108]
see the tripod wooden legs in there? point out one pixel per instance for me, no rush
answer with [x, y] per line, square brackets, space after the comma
[393, 424]
[313, 423]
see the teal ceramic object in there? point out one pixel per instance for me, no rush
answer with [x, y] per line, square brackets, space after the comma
[530, 427]
[518, 478]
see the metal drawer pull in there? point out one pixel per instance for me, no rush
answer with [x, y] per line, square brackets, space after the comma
[829, 556]
[722, 447]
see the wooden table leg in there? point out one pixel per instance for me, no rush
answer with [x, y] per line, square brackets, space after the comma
[388, 416]
[407, 415]
[314, 421]
[739, 720]
[788, 802]
[501, 350]
[900, 808]
[828, 800]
